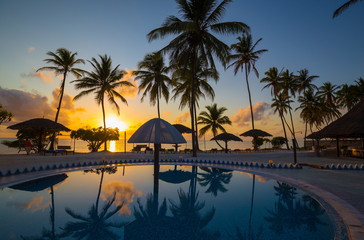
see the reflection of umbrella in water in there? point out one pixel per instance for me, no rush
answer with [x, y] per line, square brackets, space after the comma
[175, 176]
[41, 125]
[182, 129]
[226, 137]
[255, 133]
[157, 131]
[39, 185]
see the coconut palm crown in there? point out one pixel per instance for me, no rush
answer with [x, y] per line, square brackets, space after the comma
[103, 81]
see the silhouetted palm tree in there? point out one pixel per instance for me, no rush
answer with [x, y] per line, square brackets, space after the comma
[281, 104]
[304, 81]
[311, 110]
[103, 81]
[245, 58]
[213, 120]
[215, 179]
[327, 93]
[183, 87]
[195, 39]
[290, 87]
[154, 79]
[273, 80]
[343, 7]
[63, 62]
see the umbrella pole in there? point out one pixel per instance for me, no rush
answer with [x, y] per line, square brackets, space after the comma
[226, 147]
[156, 154]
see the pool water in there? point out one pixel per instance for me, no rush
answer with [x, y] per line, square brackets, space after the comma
[160, 202]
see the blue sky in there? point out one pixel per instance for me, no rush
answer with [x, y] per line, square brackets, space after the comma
[298, 34]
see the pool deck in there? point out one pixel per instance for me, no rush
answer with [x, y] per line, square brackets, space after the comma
[341, 189]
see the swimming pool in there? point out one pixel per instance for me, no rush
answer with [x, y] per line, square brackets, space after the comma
[161, 202]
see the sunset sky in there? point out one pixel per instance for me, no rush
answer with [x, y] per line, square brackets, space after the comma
[298, 34]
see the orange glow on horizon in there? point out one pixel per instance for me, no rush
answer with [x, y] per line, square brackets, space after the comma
[113, 121]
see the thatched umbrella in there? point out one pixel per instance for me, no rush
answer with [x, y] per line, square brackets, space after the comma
[41, 125]
[255, 133]
[157, 131]
[182, 129]
[226, 137]
[175, 176]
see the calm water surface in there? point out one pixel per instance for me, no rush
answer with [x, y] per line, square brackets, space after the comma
[172, 202]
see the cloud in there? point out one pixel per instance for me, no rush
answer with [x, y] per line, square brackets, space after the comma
[31, 49]
[35, 204]
[261, 111]
[46, 77]
[182, 118]
[125, 194]
[130, 92]
[25, 105]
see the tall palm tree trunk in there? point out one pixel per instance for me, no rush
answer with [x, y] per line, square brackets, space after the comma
[52, 213]
[284, 128]
[250, 98]
[196, 129]
[98, 194]
[104, 119]
[251, 210]
[193, 68]
[51, 147]
[159, 113]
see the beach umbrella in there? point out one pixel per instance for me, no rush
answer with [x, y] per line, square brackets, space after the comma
[255, 133]
[182, 128]
[226, 137]
[40, 183]
[41, 125]
[157, 131]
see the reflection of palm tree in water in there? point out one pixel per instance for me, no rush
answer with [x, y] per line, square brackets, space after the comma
[289, 213]
[250, 234]
[215, 178]
[95, 224]
[187, 213]
[48, 233]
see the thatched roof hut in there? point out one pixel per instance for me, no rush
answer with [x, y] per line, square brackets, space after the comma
[350, 125]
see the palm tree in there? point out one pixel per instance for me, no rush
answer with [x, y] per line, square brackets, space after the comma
[327, 93]
[281, 104]
[274, 81]
[245, 58]
[290, 86]
[311, 110]
[304, 81]
[195, 39]
[63, 62]
[154, 81]
[213, 120]
[343, 7]
[347, 96]
[182, 80]
[104, 80]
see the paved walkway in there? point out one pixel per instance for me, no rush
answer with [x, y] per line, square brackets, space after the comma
[342, 188]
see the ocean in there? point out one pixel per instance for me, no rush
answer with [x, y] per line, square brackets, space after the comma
[119, 146]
